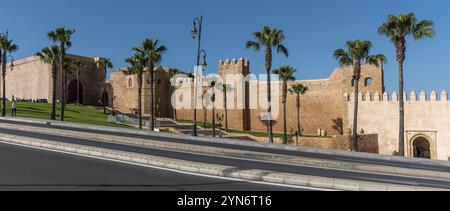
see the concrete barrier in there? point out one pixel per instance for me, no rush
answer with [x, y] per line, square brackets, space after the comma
[212, 169]
[232, 142]
[285, 159]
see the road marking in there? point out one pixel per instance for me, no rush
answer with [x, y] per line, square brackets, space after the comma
[171, 170]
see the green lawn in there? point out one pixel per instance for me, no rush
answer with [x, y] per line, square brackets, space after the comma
[73, 113]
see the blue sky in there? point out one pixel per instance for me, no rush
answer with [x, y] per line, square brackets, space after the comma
[314, 29]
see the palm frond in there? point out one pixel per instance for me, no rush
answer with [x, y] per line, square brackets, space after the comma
[286, 73]
[269, 38]
[283, 50]
[298, 89]
[343, 57]
[423, 29]
[252, 44]
[398, 27]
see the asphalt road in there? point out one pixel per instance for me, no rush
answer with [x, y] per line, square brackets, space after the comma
[257, 149]
[245, 164]
[27, 169]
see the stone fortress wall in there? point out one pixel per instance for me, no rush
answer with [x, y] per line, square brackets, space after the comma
[426, 118]
[322, 107]
[123, 92]
[326, 107]
[30, 78]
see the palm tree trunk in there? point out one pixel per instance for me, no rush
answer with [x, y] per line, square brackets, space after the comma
[78, 87]
[1, 59]
[400, 46]
[226, 111]
[63, 81]
[140, 99]
[154, 99]
[402, 113]
[4, 94]
[214, 120]
[174, 107]
[54, 75]
[104, 94]
[4, 84]
[269, 94]
[174, 114]
[205, 115]
[152, 106]
[285, 138]
[356, 108]
[298, 119]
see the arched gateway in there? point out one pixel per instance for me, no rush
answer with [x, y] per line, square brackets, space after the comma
[422, 148]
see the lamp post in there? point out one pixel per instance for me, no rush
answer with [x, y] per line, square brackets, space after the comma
[197, 34]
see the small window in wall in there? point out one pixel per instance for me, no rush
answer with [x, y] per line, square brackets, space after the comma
[353, 82]
[368, 82]
[130, 82]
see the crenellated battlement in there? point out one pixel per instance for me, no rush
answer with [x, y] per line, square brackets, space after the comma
[234, 61]
[394, 97]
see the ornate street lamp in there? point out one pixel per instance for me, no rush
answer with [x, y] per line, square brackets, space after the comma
[197, 34]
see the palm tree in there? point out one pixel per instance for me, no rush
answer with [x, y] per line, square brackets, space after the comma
[63, 36]
[104, 64]
[138, 62]
[270, 39]
[358, 52]
[286, 74]
[205, 112]
[397, 28]
[153, 51]
[51, 56]
[78, 65]
[6, 46]
[298, 89]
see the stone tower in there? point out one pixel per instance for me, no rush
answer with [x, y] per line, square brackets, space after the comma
[239, 117]
[372, 80]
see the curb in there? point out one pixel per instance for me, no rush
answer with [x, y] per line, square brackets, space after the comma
[232, 142]
[285, 159]
[213, 170]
